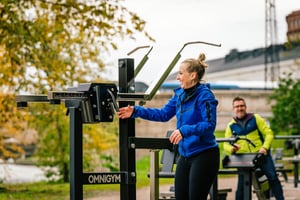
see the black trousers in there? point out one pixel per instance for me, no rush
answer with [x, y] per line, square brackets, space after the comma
[194, 176]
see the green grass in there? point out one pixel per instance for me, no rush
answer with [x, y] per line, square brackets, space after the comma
[41, 191]
[59, 191]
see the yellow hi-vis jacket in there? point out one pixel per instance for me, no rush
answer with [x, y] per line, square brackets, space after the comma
[254, 128]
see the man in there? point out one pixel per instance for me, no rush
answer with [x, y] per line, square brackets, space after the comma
[253, 127]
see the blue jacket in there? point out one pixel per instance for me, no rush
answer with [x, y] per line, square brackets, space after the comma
[196, 118]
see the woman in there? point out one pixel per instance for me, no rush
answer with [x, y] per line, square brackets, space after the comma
[195, 108]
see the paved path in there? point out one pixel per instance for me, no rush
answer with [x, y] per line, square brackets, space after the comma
[290, 192]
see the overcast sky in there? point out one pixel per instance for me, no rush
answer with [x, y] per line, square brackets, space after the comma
[236, 24]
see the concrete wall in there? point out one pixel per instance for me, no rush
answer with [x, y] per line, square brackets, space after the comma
[257, 101]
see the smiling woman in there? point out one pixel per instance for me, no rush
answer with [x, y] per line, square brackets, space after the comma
[194, 106]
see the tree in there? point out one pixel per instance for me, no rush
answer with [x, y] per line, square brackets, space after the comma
[52, 45]
[286, 115]
[12, 129]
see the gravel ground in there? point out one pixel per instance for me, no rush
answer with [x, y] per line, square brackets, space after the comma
[290, 192]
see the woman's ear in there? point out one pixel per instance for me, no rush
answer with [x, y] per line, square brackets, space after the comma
[193, 75]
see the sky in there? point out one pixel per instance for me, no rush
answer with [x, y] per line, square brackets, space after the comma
[235, 24]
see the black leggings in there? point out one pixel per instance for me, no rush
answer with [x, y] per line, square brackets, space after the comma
[194, 176]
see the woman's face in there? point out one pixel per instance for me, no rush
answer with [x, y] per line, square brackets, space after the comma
[186, 78]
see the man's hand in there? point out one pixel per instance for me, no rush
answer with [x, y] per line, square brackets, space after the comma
[263, 151]
[235, 148]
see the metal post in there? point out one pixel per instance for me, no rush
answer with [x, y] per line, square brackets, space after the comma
[126, 129]
[154, 181]
[247, 176]
[76, 188]
[295, 162]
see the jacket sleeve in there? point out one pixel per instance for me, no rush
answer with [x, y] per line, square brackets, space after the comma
[155, 114]
[228, 133]
[265, 130]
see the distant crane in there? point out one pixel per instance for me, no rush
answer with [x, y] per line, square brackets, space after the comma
[272, 68]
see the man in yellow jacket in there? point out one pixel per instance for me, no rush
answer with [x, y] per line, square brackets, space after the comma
[254, 128]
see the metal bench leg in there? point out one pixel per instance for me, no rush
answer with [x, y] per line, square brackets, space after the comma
[154, 181]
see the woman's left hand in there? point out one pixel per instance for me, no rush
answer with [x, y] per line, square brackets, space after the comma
[175, 137]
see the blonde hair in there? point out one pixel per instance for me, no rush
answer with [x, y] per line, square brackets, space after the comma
[197, 65]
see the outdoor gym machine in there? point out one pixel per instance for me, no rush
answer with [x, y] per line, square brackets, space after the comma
[246, 165]
[295, 140]
[96, 102]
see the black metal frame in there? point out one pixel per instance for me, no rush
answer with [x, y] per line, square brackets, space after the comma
[80, 111]
[296, 143]
[246, 168]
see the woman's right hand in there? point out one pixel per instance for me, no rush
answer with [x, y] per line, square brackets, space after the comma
[175, 137]
[125, 112]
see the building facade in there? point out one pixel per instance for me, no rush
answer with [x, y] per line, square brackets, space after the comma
[250, 67]
[293, 23]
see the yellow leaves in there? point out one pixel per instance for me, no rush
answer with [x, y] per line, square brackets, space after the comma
[63, 45]
[11, 126]
[44, 5]
[10, 117]
[100, 136]
[10, 150]
[100, 140]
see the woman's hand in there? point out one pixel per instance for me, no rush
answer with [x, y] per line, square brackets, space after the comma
[175, 137]
[125, 112]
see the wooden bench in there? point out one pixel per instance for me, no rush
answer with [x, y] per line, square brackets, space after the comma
[168, 160]
[278, 155]
[222, 192]
[228, 171]
[282, 171]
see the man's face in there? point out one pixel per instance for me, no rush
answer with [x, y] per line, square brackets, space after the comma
[239, 109]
